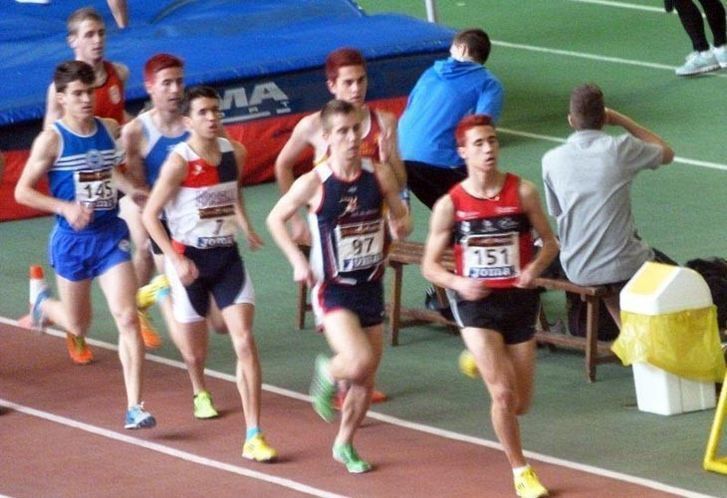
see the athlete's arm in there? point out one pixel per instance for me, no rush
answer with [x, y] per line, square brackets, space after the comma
[399, 217]
[133, 142]
[254, 241]
[439, 238]
[286, 160]
[42, 155]
[530, 201]
[53, 110]
[303, 190]
[171, 175]
[389, 149]
[123, 72]
[299, 140]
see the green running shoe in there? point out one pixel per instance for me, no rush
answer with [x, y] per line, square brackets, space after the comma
[322, 389]
[345, 454]
[203, 406]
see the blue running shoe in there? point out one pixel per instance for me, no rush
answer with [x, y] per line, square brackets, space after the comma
[138, 418]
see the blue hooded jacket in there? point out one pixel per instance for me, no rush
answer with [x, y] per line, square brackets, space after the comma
[444, 94]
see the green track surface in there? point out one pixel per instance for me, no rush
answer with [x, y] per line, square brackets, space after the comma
[679, 209]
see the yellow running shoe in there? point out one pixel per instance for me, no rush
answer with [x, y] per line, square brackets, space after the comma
[148, 334]
[527, 485]
[151, 292]
[203, 406]
[256, 448]
[467, 365]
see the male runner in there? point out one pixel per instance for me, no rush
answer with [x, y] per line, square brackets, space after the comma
[491, 215]
[89, 240]
[199, 191]
[345, 196]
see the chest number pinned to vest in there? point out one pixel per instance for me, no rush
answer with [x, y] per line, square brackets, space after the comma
[360, 245]
[491, 256]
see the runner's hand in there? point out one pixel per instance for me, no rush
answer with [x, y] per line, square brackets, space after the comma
[76, 214]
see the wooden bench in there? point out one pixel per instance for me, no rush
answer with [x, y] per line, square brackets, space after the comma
[410, 253]
[596, 352]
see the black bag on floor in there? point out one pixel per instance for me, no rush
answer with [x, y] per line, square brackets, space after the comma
[577, 319]
[714, 272]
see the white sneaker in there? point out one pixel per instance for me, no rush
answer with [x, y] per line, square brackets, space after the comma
[720, 53]
[697, 63]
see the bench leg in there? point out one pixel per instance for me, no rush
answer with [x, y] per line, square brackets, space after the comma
[592, 310]
[302, 305]
[395, 307]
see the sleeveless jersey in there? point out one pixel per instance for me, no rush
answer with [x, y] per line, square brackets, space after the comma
[369, 141]
[202, 214]
[158, 147]
[492, 237]
[110, 95]
[82, 172]
[347, 228]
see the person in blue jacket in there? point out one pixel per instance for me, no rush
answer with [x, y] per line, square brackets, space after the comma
[446, 92]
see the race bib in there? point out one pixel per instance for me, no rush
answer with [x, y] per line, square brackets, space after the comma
[216, 227]
[96, 189]
[491, 257]
[360, 245]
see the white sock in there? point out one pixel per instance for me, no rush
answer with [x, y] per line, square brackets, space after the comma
[517, 471]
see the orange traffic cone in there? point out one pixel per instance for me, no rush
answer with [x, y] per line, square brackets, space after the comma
[37, 283]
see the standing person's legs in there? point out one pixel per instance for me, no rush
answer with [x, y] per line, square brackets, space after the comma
[703, 59]
[691, 19]
[118, 284]
[715, 13]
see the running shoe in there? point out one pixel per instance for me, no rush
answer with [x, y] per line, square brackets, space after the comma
[345, 454]
[138, 418]
[322, 389]
[257, 449]
[527, 485]
[78, 350]
[150, 293]
[467, 365]
[720, 53]
[203, 406]
[697, 63]
[149, 335]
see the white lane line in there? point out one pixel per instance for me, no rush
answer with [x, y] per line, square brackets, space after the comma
[166, 450]
[455, 436]
[622, 5]
[600, 58]
[677, 159]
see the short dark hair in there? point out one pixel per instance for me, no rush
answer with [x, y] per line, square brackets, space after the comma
[80, 15]
[477, 43]
[335, 107]
[197, 92]
[467, 123]
[70, 71]
[587, 110]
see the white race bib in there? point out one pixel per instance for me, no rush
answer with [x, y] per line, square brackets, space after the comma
[491, 257]
[216, 227]
[360, 245]
[95, 188]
